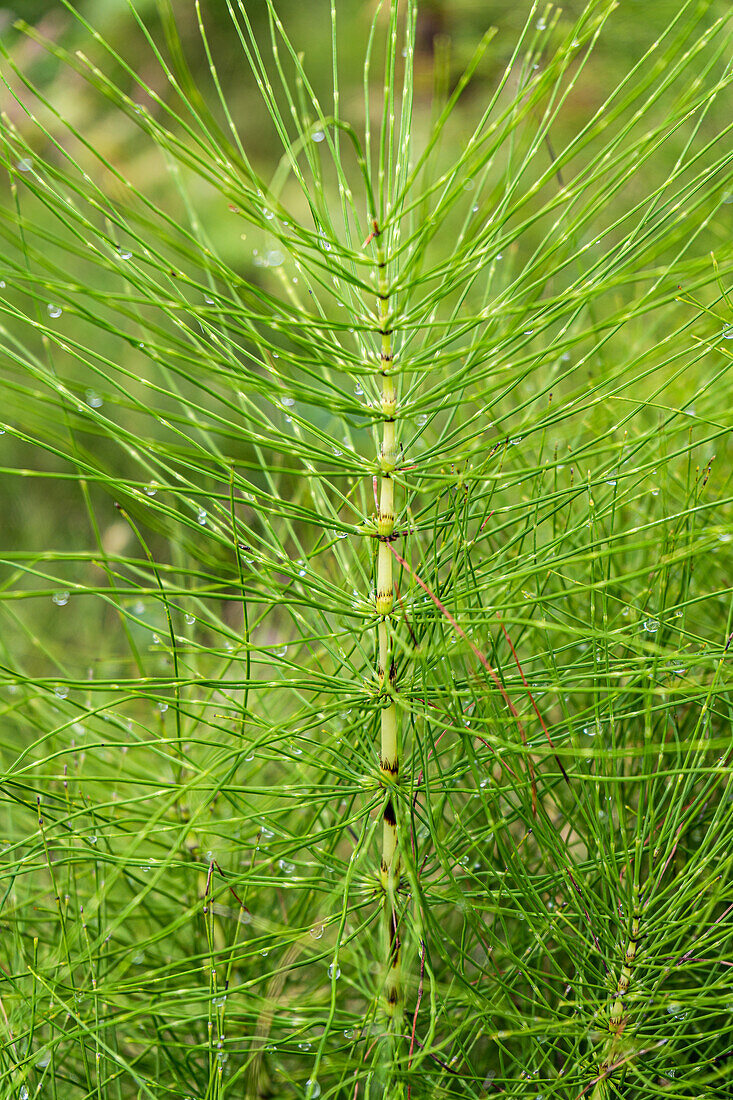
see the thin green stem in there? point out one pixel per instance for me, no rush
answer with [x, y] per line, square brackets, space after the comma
[390, 735]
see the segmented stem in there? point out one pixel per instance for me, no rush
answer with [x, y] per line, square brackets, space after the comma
[618, 1015]
[389, 749]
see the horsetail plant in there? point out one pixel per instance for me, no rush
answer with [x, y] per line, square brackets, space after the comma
[365, 590]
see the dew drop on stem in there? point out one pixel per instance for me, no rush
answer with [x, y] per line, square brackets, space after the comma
[54, 310]
[60, 598]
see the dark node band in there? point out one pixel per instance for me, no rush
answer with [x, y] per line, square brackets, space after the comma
[389, 815]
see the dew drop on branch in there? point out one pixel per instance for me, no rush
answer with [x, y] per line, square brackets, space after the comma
[54, 310]
[60, 598]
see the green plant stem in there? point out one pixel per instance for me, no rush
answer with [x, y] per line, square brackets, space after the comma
[389, 749]
[618, 1016]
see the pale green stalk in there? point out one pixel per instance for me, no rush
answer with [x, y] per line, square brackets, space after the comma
[390, 742]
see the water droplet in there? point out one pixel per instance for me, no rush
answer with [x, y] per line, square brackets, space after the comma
[2, 284]
[541, 25]
[651, 625]
[92, 839]
[24, 164]
[728, 332]
[358, 390]
[124, 253]
[317, 931]
[218, 1001]
[334, 971]
[201, 517]
[190, 619]
[61, 690]
[422, 419]
[274, 257]
[304, 1046]
[319, 136]
[468, 185]
[285, 867]
[269, 214]
[93, 399]
[162, 707]
[312, 1089]
[23, 1094]
[54, 310]
[345, 534]
[209, 301]
[60, 598]
[337, 452]
[289, 401]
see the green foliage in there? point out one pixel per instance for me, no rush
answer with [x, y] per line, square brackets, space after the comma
[192, 430]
